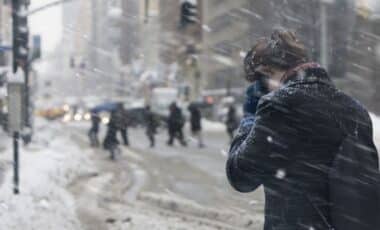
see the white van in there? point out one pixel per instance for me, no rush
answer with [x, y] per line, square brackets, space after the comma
[162, 98]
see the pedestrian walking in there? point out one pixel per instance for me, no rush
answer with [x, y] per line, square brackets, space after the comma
[176, 122]
[151, 123]
[309, 145]
[94, 130]
[232, 122]
[196, 123]
[110, 139]
[121, 120]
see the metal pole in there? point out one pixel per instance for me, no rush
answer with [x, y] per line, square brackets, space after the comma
[95, 25]
[146, 20]
[27, 96]
[27, 137]
[324, 36]
[15, 8]
[16, 163]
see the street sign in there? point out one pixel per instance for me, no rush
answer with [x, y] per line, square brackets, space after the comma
[36, 48]
[15, 102]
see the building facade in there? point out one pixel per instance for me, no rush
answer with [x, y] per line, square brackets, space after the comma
[5, 31]
[130, 31]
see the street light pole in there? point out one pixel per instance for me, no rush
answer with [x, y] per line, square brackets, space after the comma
[16, 177]
[27, 136]
[95, 24]
[324, 36]
[324, 4]
[21, 53]
[146, 19]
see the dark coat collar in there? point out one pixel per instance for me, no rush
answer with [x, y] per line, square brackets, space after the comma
[306, 73]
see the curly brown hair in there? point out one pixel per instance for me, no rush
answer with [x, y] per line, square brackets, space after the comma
[281, 50]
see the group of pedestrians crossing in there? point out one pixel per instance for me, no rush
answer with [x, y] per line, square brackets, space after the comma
[120, 120]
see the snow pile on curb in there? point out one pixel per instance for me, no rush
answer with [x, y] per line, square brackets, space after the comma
[43, 203]
[186, 207]
[213, 126]
[210, 126]
[164, 212]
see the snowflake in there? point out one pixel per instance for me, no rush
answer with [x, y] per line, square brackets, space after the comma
[280, 174]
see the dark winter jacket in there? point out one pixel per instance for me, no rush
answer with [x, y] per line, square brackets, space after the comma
[176, 119]
[120, 118]
[297, 132]
[151, 122]
[95, 121]
[113, 127]
[195, 119]
[232, 122]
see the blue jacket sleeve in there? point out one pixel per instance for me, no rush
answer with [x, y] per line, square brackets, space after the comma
[256, 155]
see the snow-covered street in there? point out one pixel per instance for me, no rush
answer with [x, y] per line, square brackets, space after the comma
[76, 187]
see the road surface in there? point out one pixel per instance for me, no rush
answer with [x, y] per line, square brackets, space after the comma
[144, 175]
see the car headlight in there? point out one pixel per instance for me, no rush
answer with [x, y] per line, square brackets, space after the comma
[66, 118]
[78, 117]
[66, 108]
[87, 116]
[105, 120]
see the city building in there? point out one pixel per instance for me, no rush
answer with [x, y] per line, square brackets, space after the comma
[5, 31]
[130, 31]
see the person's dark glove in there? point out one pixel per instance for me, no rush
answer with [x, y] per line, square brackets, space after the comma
[252, 96]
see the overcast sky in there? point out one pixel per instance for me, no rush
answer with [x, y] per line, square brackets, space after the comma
[48, 24]
[374, 5]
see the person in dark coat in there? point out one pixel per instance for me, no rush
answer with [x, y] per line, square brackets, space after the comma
[121, 122]
[110, 139]
[196, 123]
[176, 122]
[124, 127]
[232, 122]
[94, 130]
[151, 123]
[293, 136]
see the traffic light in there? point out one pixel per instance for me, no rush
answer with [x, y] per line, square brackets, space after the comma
[189, 13]
[20, 35]
[36, 50]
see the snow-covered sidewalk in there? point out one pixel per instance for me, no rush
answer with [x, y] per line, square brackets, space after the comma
[46, 168]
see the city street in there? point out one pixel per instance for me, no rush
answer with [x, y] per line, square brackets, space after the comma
[161, 188]
[193, 181]
[282, 94]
